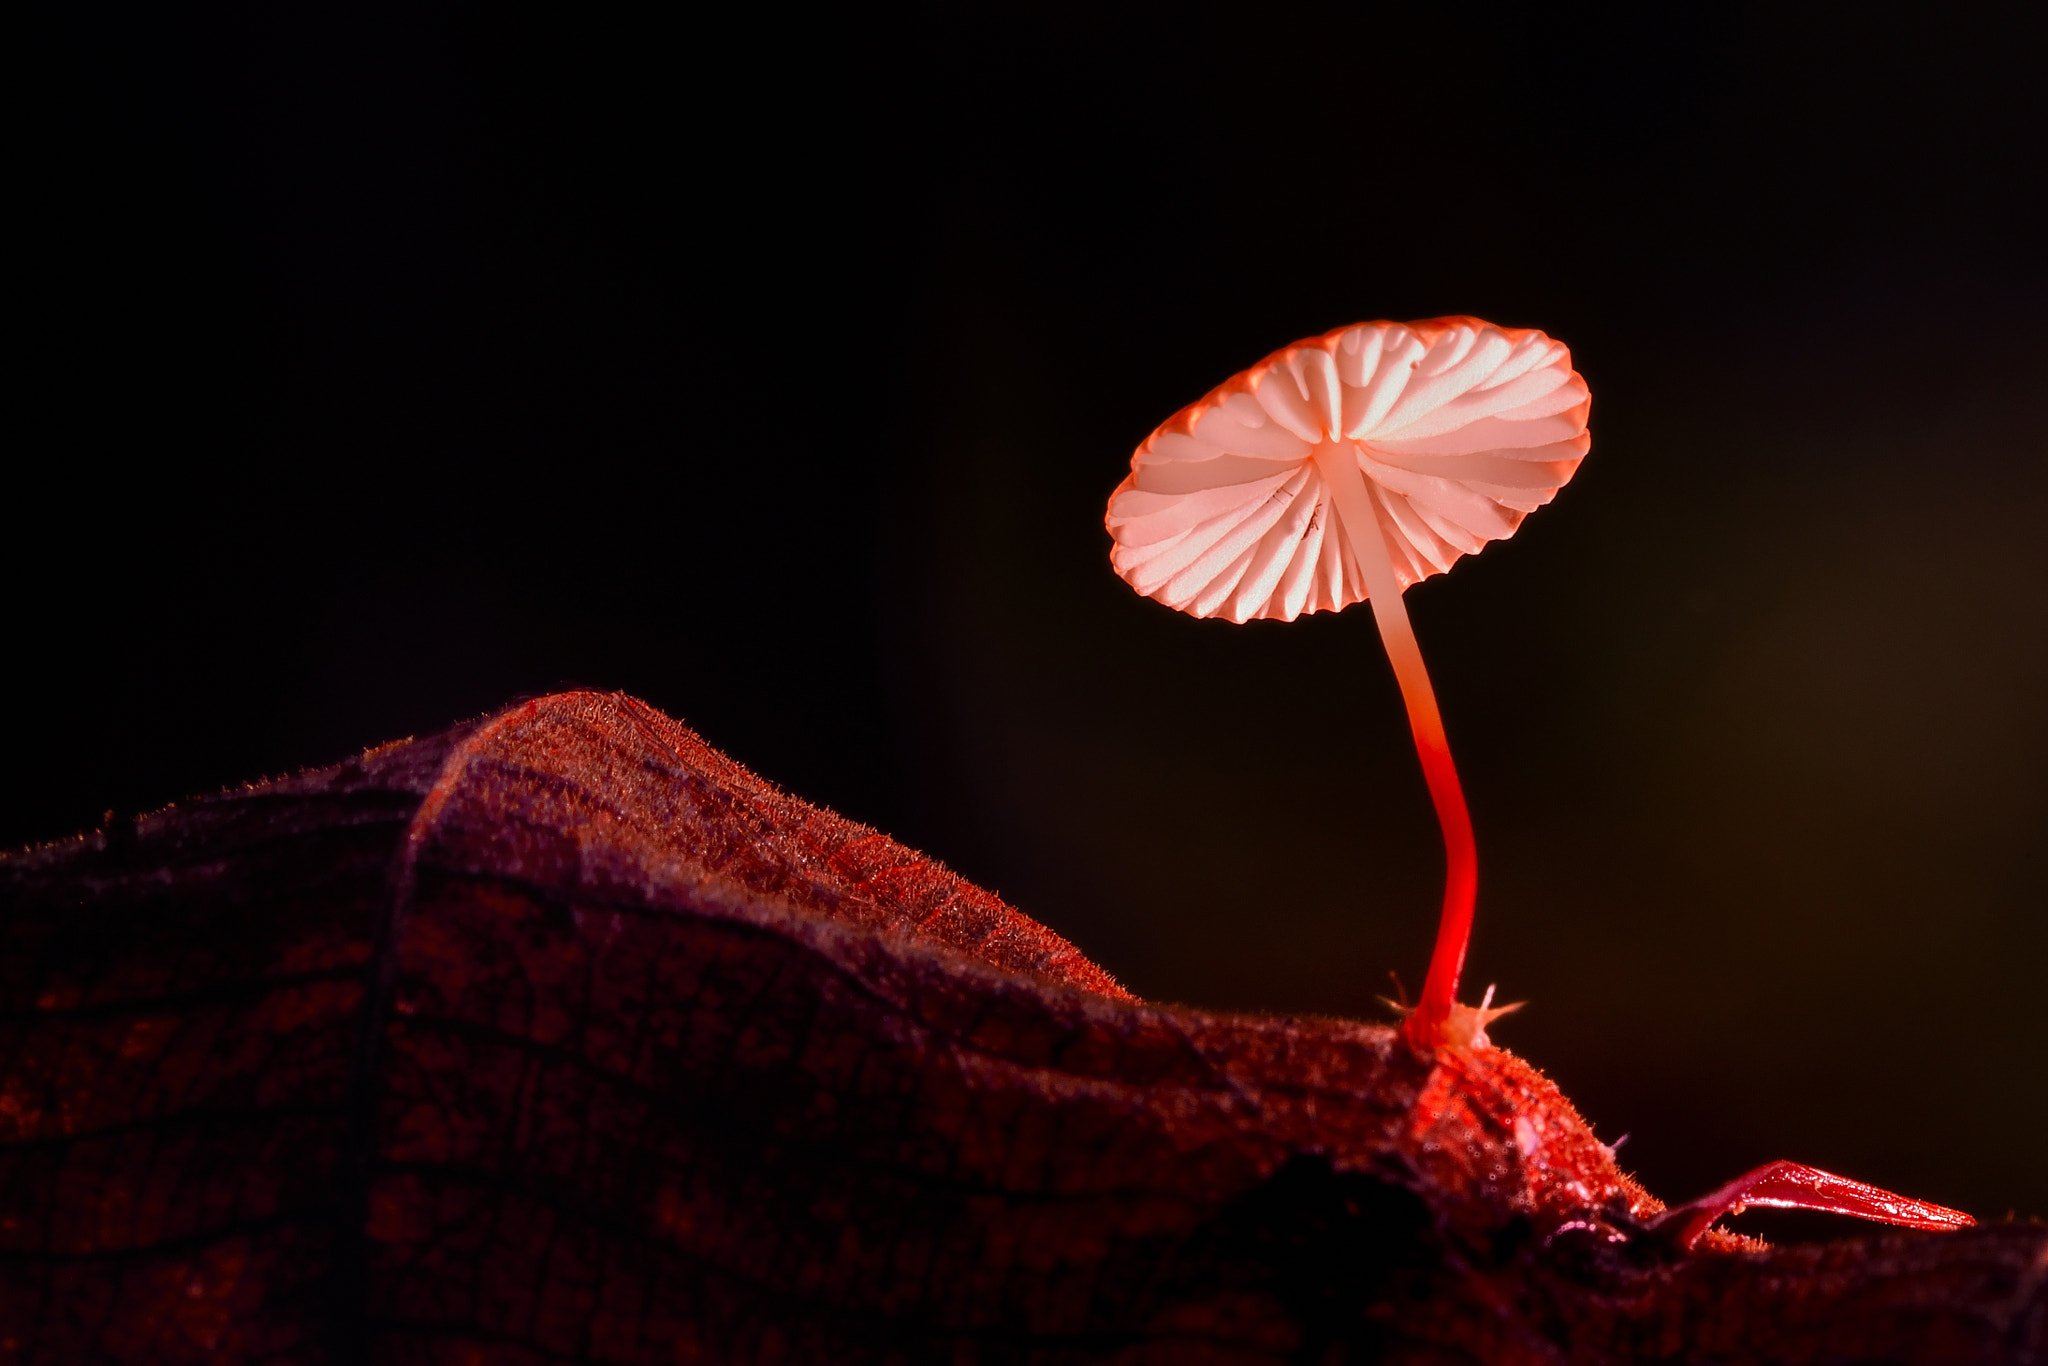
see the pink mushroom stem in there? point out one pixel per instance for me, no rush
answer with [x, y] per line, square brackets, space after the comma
[1338, 462]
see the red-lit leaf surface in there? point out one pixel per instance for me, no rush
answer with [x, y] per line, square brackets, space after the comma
[561, 1037]
[1793, 1185]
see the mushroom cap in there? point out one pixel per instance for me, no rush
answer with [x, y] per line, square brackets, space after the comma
[1461, 429]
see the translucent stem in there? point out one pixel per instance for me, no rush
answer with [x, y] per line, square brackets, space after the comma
[1339, 465]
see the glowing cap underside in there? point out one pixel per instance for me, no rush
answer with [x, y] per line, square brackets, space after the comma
[1461, 428]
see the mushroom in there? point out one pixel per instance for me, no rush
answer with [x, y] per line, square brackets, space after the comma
[1342, 469]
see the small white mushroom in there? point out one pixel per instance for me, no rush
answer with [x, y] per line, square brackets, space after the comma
[1342, 469]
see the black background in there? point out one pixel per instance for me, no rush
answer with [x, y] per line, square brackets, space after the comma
[386, 364]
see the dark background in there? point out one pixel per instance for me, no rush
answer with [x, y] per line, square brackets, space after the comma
[390, 363]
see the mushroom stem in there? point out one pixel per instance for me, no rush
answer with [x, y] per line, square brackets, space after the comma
[1338, 462]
